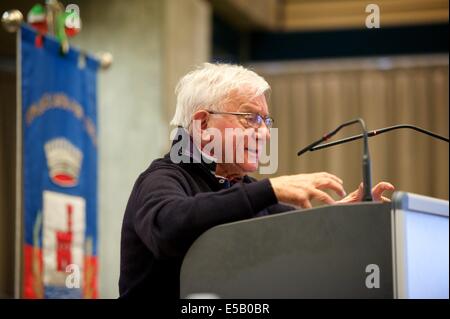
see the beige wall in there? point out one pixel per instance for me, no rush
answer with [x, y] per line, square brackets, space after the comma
[130, 119]
[186, 43]
[153, 43]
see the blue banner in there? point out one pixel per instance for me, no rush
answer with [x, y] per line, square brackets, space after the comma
[59, 115]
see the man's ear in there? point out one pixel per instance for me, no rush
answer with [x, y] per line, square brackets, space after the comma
[202, 117]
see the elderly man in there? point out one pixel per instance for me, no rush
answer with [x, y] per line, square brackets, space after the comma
[194, 188]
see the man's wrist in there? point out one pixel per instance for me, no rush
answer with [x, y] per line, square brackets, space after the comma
[261, 194]
[275, 188]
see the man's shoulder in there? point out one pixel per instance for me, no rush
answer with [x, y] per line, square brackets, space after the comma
[160, 165]
[165, 167]
[162, 172]
[249, 179]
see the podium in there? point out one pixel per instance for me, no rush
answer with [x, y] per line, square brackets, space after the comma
[360, 250]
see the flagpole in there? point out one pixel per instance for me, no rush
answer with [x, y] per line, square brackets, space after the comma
[19, 196]
[11, 21]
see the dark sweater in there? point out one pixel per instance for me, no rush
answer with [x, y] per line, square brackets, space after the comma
[170, 206]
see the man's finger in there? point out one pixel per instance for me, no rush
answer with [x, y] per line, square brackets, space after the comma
[306, 204]
[360, 190]
[378, 190]
[322, 196]
[333, 185]
[334, 177]
[384, 185]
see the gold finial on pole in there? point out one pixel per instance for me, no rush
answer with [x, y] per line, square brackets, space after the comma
[105, 59]
[11, 20]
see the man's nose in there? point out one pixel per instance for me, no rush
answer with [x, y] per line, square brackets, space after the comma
[263, 132]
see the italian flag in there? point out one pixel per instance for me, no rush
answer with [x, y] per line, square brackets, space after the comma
[37, 18]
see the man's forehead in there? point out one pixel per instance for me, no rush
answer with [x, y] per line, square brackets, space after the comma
[257, 104]
[250, 107]
[246, 102]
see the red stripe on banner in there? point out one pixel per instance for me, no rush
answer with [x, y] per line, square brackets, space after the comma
[33, 266]
[90, 290]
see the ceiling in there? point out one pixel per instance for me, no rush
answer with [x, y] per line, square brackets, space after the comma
[310, 15]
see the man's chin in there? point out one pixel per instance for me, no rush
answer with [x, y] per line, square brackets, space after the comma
[249, 167]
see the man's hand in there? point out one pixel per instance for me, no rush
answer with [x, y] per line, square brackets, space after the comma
[377, 193]
[300, 189]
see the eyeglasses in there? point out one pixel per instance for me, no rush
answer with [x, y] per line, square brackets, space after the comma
[254, 120]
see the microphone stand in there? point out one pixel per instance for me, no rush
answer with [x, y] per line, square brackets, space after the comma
[366, 166]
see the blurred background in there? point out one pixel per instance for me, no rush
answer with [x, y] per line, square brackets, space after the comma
[324, 65]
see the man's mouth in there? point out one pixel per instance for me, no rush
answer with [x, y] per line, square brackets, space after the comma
[254, 151]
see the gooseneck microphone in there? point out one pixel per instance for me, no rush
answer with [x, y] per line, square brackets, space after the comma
[366, 169]
[378, 132]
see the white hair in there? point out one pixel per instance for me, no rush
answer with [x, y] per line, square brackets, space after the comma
[209, 86]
